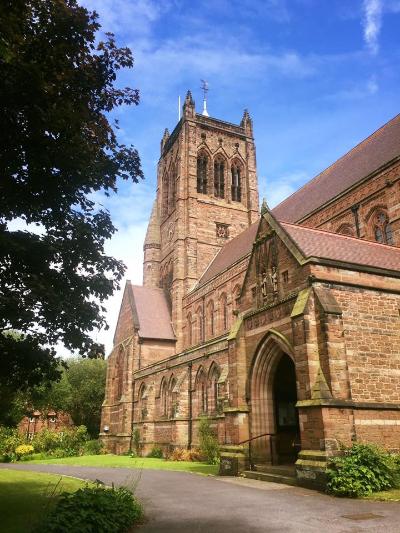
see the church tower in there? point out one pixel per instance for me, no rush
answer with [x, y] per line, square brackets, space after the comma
[207, 194]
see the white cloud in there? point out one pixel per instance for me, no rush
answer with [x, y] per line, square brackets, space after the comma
[372, 22]
[277, 189]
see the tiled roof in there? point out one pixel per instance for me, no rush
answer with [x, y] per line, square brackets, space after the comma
[153, 313]
[326, 245]
[371, 154]
[230, 253]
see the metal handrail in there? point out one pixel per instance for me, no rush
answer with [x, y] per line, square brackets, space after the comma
[257, 437]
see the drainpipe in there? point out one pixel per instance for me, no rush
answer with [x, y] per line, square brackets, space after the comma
[190, 421]
[354, 210]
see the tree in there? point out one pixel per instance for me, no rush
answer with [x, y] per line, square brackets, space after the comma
[58, 146]
[79, 392]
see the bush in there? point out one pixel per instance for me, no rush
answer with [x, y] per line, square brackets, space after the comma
[93, 447]
[100, 509]
[208, 441]
[179, 454]
[363, 469]
[23, 450]
[156, 452]
[65, 443]
[10, 439]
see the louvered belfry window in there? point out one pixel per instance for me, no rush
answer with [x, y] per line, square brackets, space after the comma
[202, 164]
[219, 178]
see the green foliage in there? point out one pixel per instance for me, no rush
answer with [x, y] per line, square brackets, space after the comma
[66, 443]
[362, 470]
[10, 439]
[58, 148]
[156, 452]
[99, 509]
[23, 450]
[93, 447]
[208, 441]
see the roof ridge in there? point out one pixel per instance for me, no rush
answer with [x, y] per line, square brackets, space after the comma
[325, 170]
[340, 235]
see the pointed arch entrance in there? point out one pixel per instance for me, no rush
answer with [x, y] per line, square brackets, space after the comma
[274, 423]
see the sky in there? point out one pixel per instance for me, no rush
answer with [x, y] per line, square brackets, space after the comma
[318, 76]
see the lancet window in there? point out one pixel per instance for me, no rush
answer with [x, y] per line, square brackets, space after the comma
[236, 190]
[382, 229]
[202, 166]
[219, 178]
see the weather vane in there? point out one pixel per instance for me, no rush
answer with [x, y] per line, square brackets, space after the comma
[204, 88]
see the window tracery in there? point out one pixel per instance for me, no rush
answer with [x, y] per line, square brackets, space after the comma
[219, 178]
[202, 166]
[236, 184]
[346, 229]
[383, 232]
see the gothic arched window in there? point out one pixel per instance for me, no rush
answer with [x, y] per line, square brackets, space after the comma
[224, 312]
[165, 184]
[236, 185]
[164, 398]
[189, 326]
[210, 318]
[172, 191]
[346, 229]
[172, 398]
[200, 330]
[201, 390]
[213, 388]
[142, 402]
[202, 165]
[219, 178]
[382, 229]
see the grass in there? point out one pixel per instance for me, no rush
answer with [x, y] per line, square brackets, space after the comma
[24, 496]
[392, 495]
[123, 461]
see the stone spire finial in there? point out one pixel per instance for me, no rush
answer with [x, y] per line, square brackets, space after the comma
[164, 139]
[189, 106]
[264, 207]
[247, 123]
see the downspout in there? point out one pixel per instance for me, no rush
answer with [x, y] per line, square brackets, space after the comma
[356, 219]
[190, 422]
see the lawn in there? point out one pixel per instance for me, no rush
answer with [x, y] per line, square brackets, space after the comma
[392, 495]
[24, 496]
[123, 461]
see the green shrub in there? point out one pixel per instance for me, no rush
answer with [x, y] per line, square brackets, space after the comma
[93, 447]
[209, 447]
[363, 469]
[156, 452]
[23, 450]
[10, 439]
[93, 509]
[65, 443]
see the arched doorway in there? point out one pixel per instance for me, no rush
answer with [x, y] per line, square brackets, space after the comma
[274, 425]
[287, 435]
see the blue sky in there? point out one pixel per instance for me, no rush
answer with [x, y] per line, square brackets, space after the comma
[317, 76]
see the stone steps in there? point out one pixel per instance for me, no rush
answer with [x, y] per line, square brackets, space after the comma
[274, 477]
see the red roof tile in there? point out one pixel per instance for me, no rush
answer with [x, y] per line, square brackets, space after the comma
[230, 253]
[153, 313]
[325, 245]
[371, 154]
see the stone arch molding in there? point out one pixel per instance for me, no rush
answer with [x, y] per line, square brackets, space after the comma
[260, 384]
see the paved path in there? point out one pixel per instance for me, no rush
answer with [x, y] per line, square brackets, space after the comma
[177, 502]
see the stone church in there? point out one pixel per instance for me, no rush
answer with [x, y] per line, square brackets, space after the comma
[283, 327]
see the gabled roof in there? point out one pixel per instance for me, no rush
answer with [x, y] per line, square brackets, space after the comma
[371, 154]
[229, 254]
[319, 244]
[152, 311]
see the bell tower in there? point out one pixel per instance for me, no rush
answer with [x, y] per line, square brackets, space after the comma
[207, 194]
